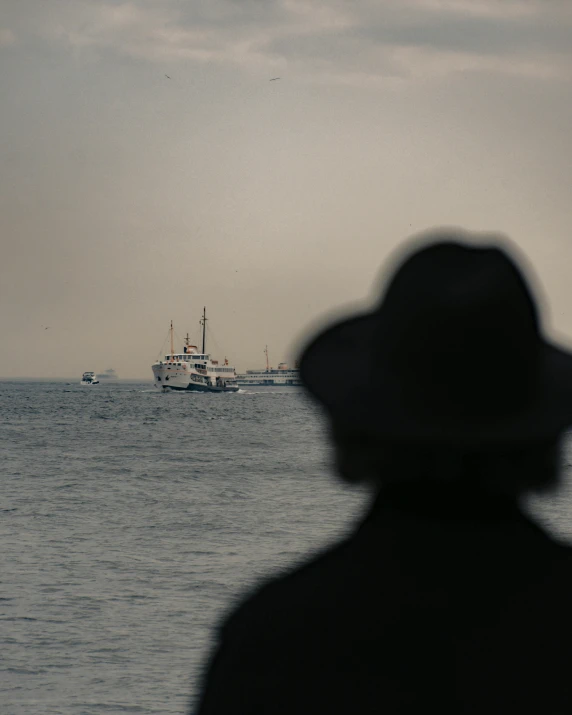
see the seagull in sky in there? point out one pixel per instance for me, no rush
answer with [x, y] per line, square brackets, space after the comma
[167, 76]
[273, 79]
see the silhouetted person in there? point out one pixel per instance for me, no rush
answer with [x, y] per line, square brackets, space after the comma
[447, 598]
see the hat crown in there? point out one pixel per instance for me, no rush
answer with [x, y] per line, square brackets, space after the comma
[459, 327]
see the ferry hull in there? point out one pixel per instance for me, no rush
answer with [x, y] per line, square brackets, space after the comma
[191, 387]
[179, 379]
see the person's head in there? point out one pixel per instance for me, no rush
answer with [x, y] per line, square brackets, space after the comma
[451, 376]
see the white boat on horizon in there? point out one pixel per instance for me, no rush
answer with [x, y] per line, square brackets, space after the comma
[89, 378]
[282, 375]
[193, 371]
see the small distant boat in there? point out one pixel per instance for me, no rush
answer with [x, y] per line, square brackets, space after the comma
[89, 378]
[109, 374]
[193, 371]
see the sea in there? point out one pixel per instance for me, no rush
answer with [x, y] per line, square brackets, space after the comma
[132, 521]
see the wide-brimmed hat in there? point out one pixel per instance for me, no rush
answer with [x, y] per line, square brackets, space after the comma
[454, 354]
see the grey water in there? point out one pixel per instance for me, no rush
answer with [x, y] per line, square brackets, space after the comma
[131, 521]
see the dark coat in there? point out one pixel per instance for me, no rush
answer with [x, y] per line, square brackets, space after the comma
[436, 604]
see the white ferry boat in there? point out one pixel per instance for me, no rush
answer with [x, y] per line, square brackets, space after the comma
[192, 370]
[283, 375]
[89, 378]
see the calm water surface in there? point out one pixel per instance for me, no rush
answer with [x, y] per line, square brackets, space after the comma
[130, 521]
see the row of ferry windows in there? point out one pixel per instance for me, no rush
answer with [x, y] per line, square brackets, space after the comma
[212, 369]
[187, 358]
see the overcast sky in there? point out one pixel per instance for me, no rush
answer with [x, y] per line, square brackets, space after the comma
[128, 199]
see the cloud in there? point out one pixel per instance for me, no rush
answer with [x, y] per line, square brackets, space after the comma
[7, 37]
[335, 40]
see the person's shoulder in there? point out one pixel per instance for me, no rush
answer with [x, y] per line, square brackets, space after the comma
[561, 553]
[302, 587]
[547, 557]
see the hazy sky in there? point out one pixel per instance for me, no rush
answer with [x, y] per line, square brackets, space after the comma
[129, 199]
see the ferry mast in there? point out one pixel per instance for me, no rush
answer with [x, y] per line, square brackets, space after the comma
[203, 322]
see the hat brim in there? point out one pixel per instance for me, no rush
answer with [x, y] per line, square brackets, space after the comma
[338, 370]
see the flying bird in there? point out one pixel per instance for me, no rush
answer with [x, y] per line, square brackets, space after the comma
[273, 79]
[167, 76]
